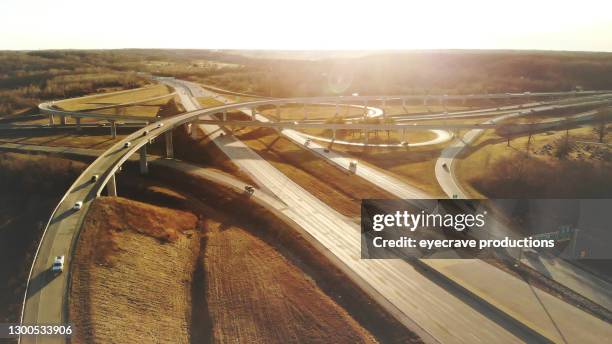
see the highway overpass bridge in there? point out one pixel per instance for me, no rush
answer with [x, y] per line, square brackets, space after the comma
[46, 298]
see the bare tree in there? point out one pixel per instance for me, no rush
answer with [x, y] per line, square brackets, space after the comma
[602, 117]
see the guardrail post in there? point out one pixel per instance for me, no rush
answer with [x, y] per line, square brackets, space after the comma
[144, 165]
[78, 123]
[111, 186]
[113, 127]
[63, 120]
[51, 121]
[169, 148]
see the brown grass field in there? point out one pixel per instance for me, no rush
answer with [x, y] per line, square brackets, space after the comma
[146, 110]
[478, 160]
[242, 279]
[132, 273]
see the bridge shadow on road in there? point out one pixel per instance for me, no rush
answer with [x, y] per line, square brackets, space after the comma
[40, 281]
[62, 216]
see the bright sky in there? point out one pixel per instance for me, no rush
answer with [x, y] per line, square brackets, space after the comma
[307, 24]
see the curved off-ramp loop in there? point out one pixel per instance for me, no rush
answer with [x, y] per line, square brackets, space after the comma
[373, 112]
[441, 137]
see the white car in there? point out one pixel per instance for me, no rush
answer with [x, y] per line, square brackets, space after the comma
[159, 125]
[58, 264]
[145, 133]
[78, 205]
[307, 142]
[94, 178]
[353, 166]
[127, 145]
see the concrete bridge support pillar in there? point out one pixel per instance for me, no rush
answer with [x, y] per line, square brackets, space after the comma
[333, 134]
[224, 115]
[365, 140]
[78, 123]
[403, 102]
[365, 108]
[111, 186]
[63, 120]
[253, 113]
[144, 165]
[305, 111]
[189, 128]
[51, 120]
[169, 148]
[403, 135]
[384, 103]
[278, 113]
[337, 108]
[194, 131]
[424, 100]
[113, 127]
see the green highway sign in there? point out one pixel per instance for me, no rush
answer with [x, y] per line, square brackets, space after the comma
[565, 233]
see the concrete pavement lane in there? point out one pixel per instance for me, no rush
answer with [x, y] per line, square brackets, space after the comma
[396, 284]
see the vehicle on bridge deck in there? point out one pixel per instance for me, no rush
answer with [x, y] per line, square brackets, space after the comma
[58, 264]
[127, 145]
[353, 166]
[249, 189]
[78, 205]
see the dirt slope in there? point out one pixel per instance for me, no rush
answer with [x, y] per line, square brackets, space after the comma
[131, 282]
[254, 294]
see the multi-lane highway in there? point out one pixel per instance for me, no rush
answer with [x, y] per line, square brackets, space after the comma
[396, 284]
[421, 304]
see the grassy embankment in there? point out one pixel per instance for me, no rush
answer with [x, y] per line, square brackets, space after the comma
[148, 109]
[252, 277]
[532, 168]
